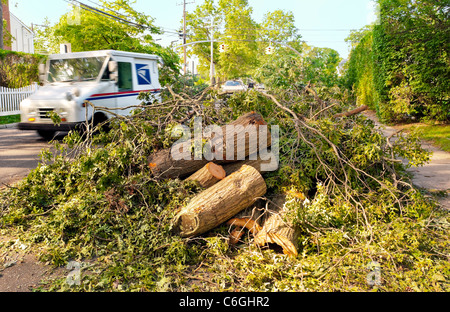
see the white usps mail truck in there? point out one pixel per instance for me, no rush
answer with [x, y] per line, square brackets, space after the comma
[111, 79]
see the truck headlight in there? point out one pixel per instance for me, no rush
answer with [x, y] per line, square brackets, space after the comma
[76, 92]
[69, 96]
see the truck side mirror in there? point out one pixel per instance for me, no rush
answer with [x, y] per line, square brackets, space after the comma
[114, 77]
[42, 73]
[113, 67]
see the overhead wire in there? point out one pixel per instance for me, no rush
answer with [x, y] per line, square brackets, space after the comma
[171, 32]
[117, 18]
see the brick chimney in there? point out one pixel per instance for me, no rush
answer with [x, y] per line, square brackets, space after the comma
[7, 18]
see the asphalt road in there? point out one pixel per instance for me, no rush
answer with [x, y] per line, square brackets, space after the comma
[19, 153]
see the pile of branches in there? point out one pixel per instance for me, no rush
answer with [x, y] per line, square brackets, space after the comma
[96, 196]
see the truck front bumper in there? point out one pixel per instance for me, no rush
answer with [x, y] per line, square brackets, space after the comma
[66, 126]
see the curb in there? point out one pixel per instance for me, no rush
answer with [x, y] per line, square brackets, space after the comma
[9, 126]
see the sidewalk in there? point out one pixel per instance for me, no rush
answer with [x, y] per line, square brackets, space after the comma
[433, 176]
[9, 126]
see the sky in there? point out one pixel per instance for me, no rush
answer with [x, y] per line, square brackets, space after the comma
[322, 23]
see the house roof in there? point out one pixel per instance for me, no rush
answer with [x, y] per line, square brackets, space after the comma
[22, 23]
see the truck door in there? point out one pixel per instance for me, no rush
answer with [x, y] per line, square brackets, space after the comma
[125, 96]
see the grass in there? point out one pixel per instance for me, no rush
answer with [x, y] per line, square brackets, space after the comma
[4, 120]
[438, 134]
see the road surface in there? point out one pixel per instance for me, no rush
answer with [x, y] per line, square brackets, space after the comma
[19, 153]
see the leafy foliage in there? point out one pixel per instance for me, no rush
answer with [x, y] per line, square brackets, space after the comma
[19, 69]
[245, 38]
[316, 66]
[234, 17]
[404, 61]
[95, 200]
[360, 75]
[88, 31]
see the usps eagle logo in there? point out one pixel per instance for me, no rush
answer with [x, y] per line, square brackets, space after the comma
[143, 73]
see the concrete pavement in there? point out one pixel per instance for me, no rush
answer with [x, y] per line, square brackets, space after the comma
[433, 176]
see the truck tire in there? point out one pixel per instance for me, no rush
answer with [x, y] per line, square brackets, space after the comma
[47, 134]
[98, 118]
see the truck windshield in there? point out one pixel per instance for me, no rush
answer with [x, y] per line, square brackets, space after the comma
[79, 69]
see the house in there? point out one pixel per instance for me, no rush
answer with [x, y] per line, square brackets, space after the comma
[22, 35]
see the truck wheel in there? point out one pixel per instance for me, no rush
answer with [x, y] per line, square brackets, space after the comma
[47, 134]
[100, 119]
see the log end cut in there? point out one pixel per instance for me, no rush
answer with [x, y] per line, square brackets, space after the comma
[216, 171]
[264, 238]
[186, 224]
[208, 175]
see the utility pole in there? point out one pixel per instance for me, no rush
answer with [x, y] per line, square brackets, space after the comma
[184, 34]
[211, 73]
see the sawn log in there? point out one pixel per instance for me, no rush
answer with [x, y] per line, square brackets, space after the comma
[277, 230]
[220, 202]
[269, 165]
[208, 175]
[241, 139]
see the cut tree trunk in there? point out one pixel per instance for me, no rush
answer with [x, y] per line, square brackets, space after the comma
[163, 166]
[352, 112]
[220, 202]
[259, 164]
[243, 134]
[208, 175]
[278, 231]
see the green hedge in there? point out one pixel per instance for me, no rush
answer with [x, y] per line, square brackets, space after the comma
[360, 74]
[19, 69]
[401, 68]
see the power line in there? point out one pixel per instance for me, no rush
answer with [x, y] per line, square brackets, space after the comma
[173, 32]
[111, 10]
[100, 12]
[116, 18]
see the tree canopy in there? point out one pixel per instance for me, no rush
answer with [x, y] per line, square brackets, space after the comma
[245, 39]
[404, 60]
[123, 29]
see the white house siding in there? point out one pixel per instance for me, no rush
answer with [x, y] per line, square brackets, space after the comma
[23, 40]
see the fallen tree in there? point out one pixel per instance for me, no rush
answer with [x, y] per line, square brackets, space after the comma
[352, 112]
[100, 200]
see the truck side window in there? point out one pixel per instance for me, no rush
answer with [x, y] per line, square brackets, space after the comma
[125, 77]
[106, 74]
